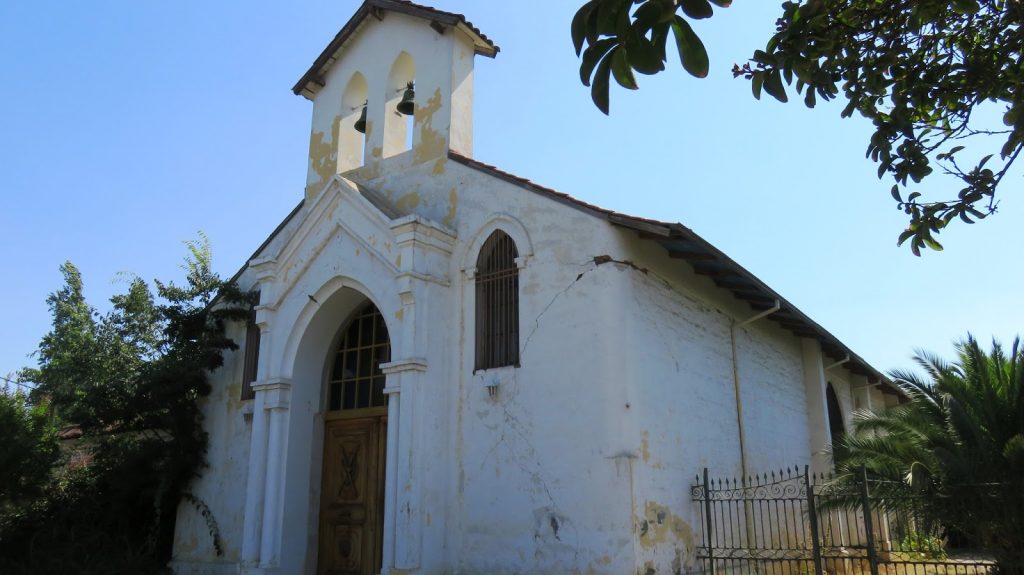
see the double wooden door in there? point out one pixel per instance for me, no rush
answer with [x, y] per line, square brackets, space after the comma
[352, 495]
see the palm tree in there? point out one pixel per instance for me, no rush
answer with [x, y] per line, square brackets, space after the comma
[957, 444]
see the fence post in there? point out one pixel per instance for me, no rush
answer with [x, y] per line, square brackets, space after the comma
[709, 532]
[812, 515]
[868, 527]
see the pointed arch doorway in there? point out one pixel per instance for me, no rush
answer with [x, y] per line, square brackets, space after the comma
[355, 438]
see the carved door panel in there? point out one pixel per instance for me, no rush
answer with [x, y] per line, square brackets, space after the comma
[352, 497]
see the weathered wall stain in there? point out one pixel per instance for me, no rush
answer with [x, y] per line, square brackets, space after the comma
[659, 526]
[432, 143]
[323, 156]
[453, 207]
[409, 202]
[439, 166]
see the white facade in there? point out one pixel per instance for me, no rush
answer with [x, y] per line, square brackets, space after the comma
[635, 371]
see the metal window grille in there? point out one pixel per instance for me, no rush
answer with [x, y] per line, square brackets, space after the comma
[497, 303]
[357, 381]
[252, 356]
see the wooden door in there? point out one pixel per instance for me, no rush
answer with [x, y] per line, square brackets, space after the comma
[352, 496]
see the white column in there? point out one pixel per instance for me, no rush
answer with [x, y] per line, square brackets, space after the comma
[253, 521]
[817, 405]
[275, 394]
[403, 520]
[390, 472]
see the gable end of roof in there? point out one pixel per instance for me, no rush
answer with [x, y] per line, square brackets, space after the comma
[313, 79]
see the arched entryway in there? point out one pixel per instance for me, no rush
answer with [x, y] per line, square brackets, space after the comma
[354, 455]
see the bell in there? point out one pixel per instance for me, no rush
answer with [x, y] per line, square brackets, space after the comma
[360, 124]
[408, 103]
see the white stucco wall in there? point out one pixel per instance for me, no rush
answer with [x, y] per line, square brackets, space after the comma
[222, 485]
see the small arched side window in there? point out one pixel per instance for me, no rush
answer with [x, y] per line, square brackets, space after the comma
[835, 413]
[251, 359]
[497, 303]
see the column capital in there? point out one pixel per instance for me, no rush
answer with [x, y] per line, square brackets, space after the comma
[275, 392]
[403, 365]
[399, 367]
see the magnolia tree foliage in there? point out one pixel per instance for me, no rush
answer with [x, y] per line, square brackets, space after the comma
[924, 72]
[132, 380]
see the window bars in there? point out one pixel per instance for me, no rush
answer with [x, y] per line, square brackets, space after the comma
[356, 380]
[497, 303]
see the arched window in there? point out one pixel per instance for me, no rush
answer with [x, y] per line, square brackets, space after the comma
[835, 413]
[251, 362]
[356, 378]
[497, 303]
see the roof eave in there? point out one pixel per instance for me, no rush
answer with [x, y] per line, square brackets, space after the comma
[707, 260]
[311, 82]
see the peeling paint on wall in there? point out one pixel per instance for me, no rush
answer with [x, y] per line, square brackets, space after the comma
[659, 526]
[439, 166]
[407, 203]
[432, 143]
[323, 157]
[453, 207]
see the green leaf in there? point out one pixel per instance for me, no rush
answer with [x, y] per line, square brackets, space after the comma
[692, 53]
[1012, 115]
[907, 234]
[579, 25]
[621, 69]
[592, 55]
[773, 85]
[722, 3]
[612, 15]
[966, 6]
[756, 81]
[599, 90]
[641, 55]
[697, 9]
[653, 12]
[932, 243]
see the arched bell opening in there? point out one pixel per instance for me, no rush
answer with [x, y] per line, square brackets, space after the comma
[352, 124]
[354, 447]
[399, 106]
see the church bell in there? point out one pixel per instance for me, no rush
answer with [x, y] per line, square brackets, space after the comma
[408, 103]
[360, 124]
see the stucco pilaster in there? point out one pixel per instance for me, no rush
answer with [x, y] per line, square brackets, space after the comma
[817, 405]
[263, 507]
[402, 484]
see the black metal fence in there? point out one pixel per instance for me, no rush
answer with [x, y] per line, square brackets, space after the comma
[788, 523]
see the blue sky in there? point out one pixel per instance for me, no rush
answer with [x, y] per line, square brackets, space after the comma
[128, 126]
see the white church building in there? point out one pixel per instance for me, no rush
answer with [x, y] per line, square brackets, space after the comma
[454, 370]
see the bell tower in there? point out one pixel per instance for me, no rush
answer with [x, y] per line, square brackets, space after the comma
[396, 81]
